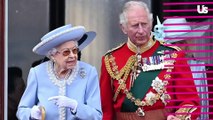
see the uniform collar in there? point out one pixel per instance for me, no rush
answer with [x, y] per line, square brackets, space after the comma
[142, 49]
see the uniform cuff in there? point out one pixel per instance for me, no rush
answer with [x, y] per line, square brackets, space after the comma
[183, 113]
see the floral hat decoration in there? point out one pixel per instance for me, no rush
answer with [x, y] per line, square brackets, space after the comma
[162, 32]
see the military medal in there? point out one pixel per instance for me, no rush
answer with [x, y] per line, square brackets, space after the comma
[158, 62]
[140, 112]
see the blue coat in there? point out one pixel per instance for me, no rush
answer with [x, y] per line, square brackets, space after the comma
[84, 88]
[202, 86]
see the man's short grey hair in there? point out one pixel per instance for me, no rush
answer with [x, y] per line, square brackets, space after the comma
[123, 17]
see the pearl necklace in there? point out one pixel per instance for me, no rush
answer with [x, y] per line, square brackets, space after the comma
[66, 76]
[61, 83]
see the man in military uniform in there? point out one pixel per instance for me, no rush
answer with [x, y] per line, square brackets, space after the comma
[142, 79]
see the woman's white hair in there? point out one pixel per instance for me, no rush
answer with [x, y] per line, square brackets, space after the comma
[123, 17]
[54, 50]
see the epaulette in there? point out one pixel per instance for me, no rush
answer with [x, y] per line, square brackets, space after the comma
[116, 48]
[172, 46]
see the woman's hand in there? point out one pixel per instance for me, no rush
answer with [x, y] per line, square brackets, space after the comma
[35, 113]
[63, 101]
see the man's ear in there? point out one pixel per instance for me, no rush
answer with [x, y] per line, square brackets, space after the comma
[123, 28]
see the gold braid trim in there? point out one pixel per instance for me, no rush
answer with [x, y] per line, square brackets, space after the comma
[42, 109]
[120, 73]
[172, 46]
[116, 48]
[122, 82]
[184, 112]
[144, 48]
[117, 75]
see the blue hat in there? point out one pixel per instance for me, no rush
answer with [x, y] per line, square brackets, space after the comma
[62, 35]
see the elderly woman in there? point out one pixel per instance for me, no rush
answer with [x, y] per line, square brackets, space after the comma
[62, 88]
[180, 39]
